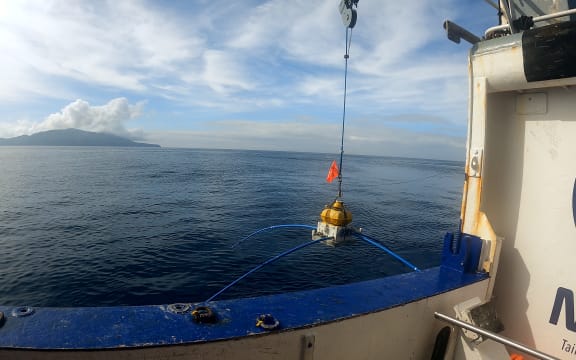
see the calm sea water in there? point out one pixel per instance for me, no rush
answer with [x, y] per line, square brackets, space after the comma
[121, 226]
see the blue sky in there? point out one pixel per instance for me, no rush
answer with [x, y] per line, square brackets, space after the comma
[247, 74]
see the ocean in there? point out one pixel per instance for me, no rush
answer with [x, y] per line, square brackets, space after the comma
[130, 226]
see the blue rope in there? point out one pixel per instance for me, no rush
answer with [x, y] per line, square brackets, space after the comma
[287, 252]
[272, 228]
[390, 252]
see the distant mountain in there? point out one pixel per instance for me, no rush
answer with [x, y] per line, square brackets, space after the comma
[71, 137]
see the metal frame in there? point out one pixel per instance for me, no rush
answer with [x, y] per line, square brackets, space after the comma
[535, 19]
[495, 337]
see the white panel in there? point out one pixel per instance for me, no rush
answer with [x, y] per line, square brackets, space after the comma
[531, 104]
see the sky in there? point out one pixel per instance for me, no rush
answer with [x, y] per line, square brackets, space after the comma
[262, 75]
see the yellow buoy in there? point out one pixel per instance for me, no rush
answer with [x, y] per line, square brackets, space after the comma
[336, 214]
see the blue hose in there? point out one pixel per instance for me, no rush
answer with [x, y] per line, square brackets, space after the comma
[271, 260]
[390, 252]
[272, 228]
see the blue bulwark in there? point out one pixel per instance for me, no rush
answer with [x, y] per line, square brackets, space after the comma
[142, 326]
[461, 252]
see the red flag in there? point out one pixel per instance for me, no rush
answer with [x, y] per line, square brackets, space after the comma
[333, 172]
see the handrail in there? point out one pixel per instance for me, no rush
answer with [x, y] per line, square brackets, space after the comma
[508, 13]
[495, 337]
[535, 19]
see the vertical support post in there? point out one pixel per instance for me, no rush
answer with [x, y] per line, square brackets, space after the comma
[475, 158]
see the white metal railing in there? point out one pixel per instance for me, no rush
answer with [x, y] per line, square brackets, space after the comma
[498, 338]
[535, 19]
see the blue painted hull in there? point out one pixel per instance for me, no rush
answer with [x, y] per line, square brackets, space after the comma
[119, 327]
[76, 330]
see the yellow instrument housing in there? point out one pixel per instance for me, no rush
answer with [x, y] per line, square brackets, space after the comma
[336, 214]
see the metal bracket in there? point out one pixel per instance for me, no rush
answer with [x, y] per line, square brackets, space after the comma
[456, 32]
[475, 167]
[308, 342]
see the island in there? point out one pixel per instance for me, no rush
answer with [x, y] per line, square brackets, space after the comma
[72, 137]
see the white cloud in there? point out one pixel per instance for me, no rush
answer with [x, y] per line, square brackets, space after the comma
[302, 31]
[219, 58]
[122, 45]
[215, 50]
[110, 118]
[330, 87]
[222, 73]
[389, 68]
[307, 134]
[16, 128]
